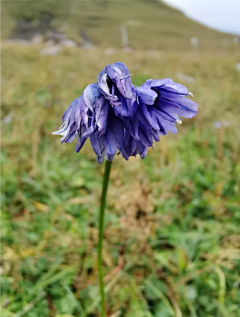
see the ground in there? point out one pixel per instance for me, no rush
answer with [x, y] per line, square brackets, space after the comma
[172, 237]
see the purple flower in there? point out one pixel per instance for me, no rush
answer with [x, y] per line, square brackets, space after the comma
[161, 102]
[121, 118]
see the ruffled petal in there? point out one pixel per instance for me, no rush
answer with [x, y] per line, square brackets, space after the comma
[97, 144]
[144, 154]
[100, 159]
[71, 134]
[102, 110]
[105, 85]
[71, 108]
[148, 116]
[117, 127]
[155, 135]
[140, 148]
[166, 116]
[164, 126]
[126, 107]
[183, 106]
[119, 74]
[146, 95]
[109, 143]
[130, 145]
[69, 127]
[145, 135]
[140, 116]
[90, 95]
[154, 83]
[80, 140]
[132, 127]
[175, 88]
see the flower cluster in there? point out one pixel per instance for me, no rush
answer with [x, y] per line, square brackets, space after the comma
[121, 118]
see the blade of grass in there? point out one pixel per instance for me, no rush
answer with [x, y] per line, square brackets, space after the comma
[161, 296]
[222, 284]
[30, 305]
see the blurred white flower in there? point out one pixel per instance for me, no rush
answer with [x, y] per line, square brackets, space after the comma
[221, 124]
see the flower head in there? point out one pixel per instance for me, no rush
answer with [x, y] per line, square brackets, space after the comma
[162, 101]
[118, 117]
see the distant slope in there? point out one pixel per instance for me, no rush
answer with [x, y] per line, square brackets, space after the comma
[151, 24]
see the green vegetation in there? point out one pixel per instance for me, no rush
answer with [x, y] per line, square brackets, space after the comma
[172, 238]
[151, 24]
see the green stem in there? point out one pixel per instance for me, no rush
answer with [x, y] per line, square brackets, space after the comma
[100, 234]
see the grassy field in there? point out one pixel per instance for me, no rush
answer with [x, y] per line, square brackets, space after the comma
[151, 24]
[172, 238]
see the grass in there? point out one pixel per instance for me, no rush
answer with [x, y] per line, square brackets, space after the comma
[172, 237]
[151, 24]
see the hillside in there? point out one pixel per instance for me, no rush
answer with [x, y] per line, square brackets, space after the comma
[151, 24]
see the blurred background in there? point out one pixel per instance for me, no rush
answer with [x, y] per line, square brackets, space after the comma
[172, 236]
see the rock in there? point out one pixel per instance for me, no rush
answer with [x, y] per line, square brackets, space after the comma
[27, 32]
[37, 39]
[51, 50]
[87, 46]
[185, 78]
[55, 35]
[68, 43]
[50, 43]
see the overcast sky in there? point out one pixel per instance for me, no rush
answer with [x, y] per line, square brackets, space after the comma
[223, 15]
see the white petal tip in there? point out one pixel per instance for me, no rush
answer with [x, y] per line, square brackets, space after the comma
[178, 121]
[190, 94]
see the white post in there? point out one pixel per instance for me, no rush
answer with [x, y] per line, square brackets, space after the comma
[124, 33]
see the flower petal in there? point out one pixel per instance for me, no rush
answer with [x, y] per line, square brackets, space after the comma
[144, 154]
[182, 106]
[116, 125]
[158, 82]
[102, 110]
[146, 95]
[140, 116]
[132, 127]
[109, 142]
[90, 95]
[147, 114]
[105, 84]
[119, 74]
[100, 159]
[126, 108]
[175, 88]
[164, 126]
[70, 108]
[97, 144]
[80, 140]
[130, 145]
[145, 135]
[140, 148]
